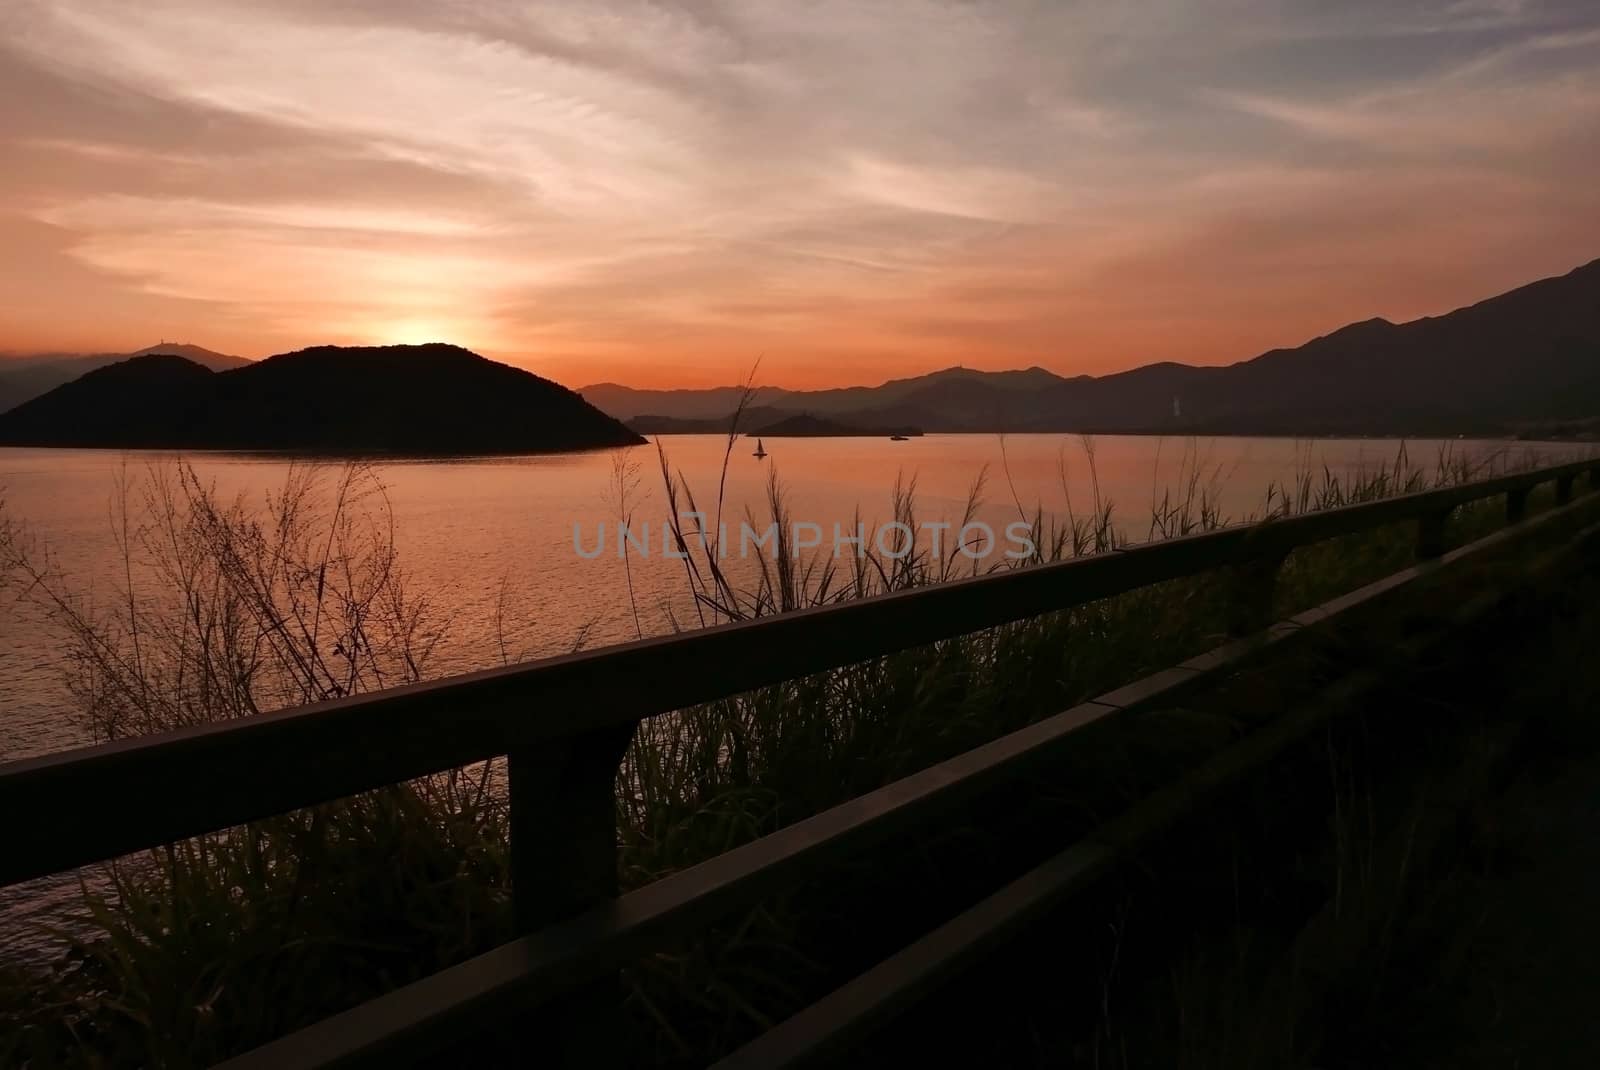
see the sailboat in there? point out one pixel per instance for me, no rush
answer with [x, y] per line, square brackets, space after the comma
[761, 451]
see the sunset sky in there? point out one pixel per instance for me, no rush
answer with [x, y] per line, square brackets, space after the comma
[659, 193]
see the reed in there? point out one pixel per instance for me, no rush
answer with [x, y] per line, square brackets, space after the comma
[210, 947]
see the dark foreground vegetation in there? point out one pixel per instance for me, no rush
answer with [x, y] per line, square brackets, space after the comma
[1404, 887]
[216, 945]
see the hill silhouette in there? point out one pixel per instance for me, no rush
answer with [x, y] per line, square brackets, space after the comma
[1527, 358]
[26, 377]
[806, 425]
[426, 399]
[772, 423]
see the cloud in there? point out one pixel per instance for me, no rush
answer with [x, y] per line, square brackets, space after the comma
[619, 188]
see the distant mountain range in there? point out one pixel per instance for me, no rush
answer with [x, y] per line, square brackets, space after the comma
[23, 378]
[426, 399]
[1525, 362]
[770, 423]
[1519, 362]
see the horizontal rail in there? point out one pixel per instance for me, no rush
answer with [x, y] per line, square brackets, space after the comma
[428, 1015]
[254, 767]
[849, 1014]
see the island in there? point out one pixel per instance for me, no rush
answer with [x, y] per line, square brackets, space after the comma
[428, 400]
[770, 423]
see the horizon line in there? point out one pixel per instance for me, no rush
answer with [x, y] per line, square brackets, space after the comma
[504, 357]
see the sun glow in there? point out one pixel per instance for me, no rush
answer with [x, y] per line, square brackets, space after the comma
[643, 193]
[411, 332]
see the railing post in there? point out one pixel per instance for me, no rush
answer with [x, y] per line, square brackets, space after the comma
[1564, 489]
[563, 800]
[1430, 535]
[564, 826]
[1251, 587]
[1516, 504]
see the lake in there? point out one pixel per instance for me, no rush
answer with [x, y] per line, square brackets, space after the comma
[491, 542]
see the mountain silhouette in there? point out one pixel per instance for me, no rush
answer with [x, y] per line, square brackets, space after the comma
[425, 399]
[1524, 359]
[773, 423]
[24, 378]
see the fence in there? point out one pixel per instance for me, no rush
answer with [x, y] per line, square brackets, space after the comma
[564, 723]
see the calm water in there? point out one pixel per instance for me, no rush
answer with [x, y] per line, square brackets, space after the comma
[476, 535]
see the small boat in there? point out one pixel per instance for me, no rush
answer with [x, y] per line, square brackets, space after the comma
[898, 438]
[761, 451]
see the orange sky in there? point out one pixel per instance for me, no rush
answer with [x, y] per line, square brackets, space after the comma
[660, 193]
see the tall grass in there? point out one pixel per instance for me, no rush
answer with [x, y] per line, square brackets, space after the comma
[726, 772]
[227, 608]
[209, 947]
[1442, 798]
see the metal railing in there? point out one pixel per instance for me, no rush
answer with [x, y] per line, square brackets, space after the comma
[565, 722]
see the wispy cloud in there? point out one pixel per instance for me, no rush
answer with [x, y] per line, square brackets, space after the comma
[628, 189]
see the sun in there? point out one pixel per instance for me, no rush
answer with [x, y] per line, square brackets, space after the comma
[412, 332]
